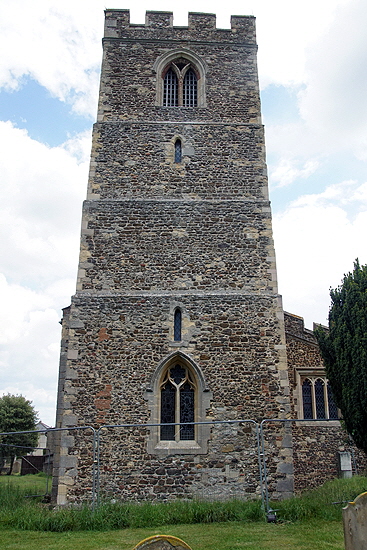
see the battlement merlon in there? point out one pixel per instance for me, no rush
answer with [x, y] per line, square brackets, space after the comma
[200, 26]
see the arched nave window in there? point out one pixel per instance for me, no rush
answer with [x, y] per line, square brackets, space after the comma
[317, 399]
[177, 399]
[177, 392]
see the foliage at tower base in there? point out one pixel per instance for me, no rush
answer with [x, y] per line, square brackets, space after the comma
[344, 350]
[16, 415]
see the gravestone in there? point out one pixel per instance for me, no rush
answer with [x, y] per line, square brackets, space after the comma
[162, 542]
[355, 524]
[345, 464]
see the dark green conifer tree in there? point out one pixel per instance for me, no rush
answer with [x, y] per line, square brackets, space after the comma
[344, 350]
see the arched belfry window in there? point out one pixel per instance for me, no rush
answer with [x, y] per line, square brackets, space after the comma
[177, 325]
[180, 84]
[177, 404]
[181, 79]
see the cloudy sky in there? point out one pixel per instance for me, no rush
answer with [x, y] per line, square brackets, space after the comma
[312, 65]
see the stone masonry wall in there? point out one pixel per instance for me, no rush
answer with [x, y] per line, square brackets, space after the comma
[128, 80]
[315, 444]
[157, 235]
[167, 245]
[232, 340]
[220, 162]
[231, 337]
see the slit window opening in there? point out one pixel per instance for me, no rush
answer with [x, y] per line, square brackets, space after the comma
[177, 325]
[178, 151]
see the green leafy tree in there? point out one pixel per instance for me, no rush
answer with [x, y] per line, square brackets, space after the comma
[344, 350]
[16, 415]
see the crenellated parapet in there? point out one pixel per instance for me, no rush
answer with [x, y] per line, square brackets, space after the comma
[201, 26]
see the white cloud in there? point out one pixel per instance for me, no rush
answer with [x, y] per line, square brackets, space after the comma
[341, 194]
[42, 189]
[58, 45]
[284, 29]
[30, 342]
[317, 241]
[334, 102]
[287, 171]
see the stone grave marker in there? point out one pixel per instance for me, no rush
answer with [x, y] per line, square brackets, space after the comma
[162, 542]
[355, 524]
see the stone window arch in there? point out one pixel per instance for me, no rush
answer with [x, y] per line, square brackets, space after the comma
[177, 396]
[181, 79]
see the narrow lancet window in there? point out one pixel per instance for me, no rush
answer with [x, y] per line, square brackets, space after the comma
[320, 399]
[187, 414]
[168, 411]
[190, 89]
[333, 409]
[177, 325]
[170, 89]
[178, 151]
[307, 399]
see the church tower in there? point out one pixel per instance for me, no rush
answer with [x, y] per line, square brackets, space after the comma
[176, 316]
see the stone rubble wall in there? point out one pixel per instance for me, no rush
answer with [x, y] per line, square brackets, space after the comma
[222, 162]
[169, 246]
[157, 235]
[315, 444]
[107, 385]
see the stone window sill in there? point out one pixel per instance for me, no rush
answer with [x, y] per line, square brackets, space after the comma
[334, 423]
[178, 447]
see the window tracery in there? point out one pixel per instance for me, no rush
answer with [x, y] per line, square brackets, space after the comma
[317, 400]
[177, 404]
[177, 396]
[180, 79]
[180, 87]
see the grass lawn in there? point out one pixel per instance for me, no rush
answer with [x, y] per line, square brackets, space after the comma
[306, 535]
[30, 484]
[312, 521]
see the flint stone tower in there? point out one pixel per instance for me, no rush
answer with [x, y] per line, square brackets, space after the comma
[176, 316]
